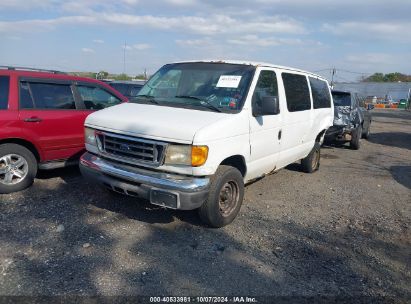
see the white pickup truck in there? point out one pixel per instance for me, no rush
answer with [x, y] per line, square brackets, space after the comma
[198, 131]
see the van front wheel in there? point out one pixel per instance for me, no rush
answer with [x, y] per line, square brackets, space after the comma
[311, 163]
[224, 199]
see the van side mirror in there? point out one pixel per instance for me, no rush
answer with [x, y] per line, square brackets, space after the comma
[269, 105]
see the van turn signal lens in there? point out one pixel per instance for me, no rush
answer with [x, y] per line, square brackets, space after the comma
[198, 155]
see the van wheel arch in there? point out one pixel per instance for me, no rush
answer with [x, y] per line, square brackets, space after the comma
[320, 137]
[236, 161]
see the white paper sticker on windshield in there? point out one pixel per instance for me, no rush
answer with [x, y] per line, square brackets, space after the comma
[228, 81]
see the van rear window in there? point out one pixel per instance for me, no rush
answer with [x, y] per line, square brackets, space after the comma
[4, 92]
[321, 93]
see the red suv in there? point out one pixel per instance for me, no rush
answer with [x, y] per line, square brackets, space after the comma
[41, 121]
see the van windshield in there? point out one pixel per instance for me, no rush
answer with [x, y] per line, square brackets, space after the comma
[341, 99]
[218, 87]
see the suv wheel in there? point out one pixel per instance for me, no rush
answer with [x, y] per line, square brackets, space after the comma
[224, 199]
[18, 167]
[367, 133]
[356, 138]
[311, 163]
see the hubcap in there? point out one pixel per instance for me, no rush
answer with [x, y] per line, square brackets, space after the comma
[13, 169]
[228, 198]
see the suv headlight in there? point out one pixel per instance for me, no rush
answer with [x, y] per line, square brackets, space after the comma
[186, 155]
[90, 136]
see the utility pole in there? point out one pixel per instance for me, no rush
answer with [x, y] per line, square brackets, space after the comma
[124, 57]
[145, 74]
[332, 77]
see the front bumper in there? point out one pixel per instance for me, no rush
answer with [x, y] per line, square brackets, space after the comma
[168, 190]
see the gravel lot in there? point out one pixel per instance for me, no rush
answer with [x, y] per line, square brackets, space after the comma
[342, 231]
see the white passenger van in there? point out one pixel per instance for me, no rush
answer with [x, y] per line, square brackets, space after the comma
[198, 131]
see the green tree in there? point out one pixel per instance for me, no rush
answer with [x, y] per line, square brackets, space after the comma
[102, 75]
[376, 77]
[389, 77]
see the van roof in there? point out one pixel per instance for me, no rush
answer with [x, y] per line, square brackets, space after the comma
[256, 64]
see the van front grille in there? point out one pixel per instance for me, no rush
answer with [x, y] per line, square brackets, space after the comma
[132, 150]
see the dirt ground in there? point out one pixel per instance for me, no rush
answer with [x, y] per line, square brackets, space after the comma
[343, 231]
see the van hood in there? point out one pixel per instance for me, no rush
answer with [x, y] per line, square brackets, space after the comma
[153, 121]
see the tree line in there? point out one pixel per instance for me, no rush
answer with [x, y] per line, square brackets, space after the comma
[390, 77]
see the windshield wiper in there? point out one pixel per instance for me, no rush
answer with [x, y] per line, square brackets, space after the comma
[147, 97]
[203, 102]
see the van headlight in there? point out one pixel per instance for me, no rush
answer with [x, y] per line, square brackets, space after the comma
[90, 136]
[188, 155]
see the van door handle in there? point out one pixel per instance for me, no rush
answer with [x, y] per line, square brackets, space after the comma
[279, 134]
[33, 119]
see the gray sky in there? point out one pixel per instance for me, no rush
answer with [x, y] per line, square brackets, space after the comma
[354, 36]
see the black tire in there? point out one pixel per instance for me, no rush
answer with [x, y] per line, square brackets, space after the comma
[355, 142]
[366, 134]
[219, 210]
[311, 163]
[29, 167]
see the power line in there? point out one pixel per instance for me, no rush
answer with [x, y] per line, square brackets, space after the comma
[359, 73]
[342, 78]
[341, 70]
[322, 70]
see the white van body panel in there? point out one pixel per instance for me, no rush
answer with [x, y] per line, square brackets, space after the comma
[256, 140]
[224, 138]
[264, 142]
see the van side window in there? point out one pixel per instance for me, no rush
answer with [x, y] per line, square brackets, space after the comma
[266, 86]
[4, 92]
[297, 92]
[321, 93]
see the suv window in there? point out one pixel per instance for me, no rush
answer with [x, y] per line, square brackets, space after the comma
[361, 101]
[342, 99]
[321, 93]
[127, 89]
[26, 102]
[266, 86]
[46, 96]
[297, 92]
[96, 98]
[4, 92]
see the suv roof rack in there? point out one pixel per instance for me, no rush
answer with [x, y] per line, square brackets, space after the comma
[13, 68]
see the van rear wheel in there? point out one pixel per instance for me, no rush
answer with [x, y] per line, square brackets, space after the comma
[18, 168]
[311, 163]
[224, 199]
